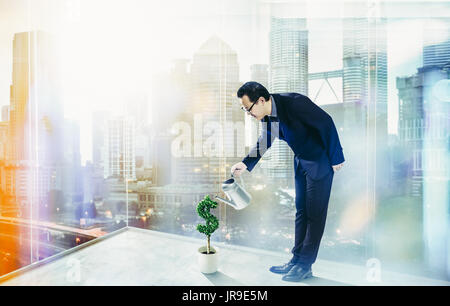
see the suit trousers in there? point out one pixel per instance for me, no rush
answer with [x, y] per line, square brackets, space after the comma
[311, 201]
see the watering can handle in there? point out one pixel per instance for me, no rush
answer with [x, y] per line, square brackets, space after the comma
[240, 176]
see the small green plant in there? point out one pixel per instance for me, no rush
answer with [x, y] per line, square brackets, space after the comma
[212, 223]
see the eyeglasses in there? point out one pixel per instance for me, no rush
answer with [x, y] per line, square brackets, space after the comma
[248, 110]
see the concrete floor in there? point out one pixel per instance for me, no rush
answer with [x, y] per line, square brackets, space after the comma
[143, 257]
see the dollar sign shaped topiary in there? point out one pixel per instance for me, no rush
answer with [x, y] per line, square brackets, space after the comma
[212, 223]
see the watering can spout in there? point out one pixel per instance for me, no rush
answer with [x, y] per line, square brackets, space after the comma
[226, 202]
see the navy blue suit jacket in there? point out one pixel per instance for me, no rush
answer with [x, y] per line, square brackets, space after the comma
[309, 131]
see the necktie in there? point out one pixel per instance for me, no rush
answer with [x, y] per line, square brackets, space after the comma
[274, 119]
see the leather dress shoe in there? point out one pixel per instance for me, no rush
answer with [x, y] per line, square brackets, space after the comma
[283, 268]
[297, 273]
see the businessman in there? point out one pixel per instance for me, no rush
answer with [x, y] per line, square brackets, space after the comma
[311, 134]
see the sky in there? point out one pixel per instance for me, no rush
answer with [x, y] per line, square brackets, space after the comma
[112, 49]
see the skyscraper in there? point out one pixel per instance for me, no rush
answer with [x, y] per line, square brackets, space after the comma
[365, 99]
[436, 42]
[19, 93]
[424, 129]
[365, 81]
[72, 172]
[288, 73]
[214, 107]
[120, 142]
[36, 111]
[36, 118]
[436, 54]
[165, 167]
[411, 130]
[365, 62]
[137, 110]
[288, 55]
[99, 126]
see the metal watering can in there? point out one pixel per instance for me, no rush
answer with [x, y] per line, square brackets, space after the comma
[238, 197]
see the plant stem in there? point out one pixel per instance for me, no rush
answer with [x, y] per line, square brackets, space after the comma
[207, 247]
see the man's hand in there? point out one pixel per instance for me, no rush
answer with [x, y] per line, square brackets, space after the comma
[337, 167]
[238, 168]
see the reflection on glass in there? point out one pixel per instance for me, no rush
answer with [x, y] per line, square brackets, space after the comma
[131, 122]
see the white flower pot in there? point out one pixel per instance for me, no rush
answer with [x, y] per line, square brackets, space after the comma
[208, 263]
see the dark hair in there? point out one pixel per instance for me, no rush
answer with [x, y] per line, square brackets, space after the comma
[253, 90]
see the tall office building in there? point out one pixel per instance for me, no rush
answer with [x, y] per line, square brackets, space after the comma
[214, 108]
[419, 106]
[288, 73]
[120, 142]
[365, 62]
[165, 167]
[424, 129]
[180, 78]
[36, 111]
[19, 92]
[436, 42]
[218, 125]
[365, 99]
[288, 55]
[434, 130]
[436, 54]
[137, 110]
[99, 126]
[72, 184]
[365, 82]
[410, 130]
[36, 118]
[354, 60]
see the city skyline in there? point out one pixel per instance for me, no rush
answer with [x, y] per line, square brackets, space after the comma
[97, 113]
[324, 34]
[86, 152]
